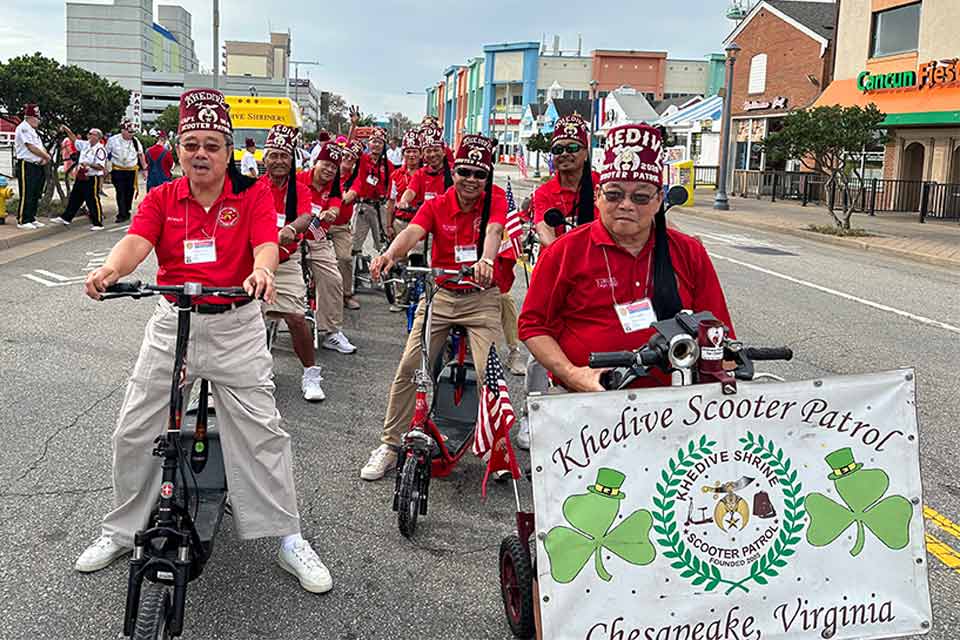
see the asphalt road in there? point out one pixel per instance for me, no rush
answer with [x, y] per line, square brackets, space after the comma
[66, 360]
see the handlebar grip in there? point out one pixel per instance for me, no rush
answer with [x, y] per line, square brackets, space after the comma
[611, 359]
[610, 380]
[769, 353]
[124, 287]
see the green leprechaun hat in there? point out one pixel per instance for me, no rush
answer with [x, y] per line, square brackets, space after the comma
[842, 463]
[608, 484]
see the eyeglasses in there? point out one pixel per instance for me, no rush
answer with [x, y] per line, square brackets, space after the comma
[193, 147]
[479, 174]
[559, 149]
[636, 197]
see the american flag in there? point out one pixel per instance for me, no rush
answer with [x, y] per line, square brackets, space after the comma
[495, 417]
[514, 227]
[522, 164]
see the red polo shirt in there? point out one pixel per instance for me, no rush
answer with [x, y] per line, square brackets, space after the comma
[550, 195]
[237, 224]
[570, 296]
[427, 184]
[346, 210]
[321, 200]
[399, 182]
[280, 207]
[451, 227]
[372, 181]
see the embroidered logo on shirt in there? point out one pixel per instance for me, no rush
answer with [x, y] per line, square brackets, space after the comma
[605, 283]
[449, 228]
[229, 217]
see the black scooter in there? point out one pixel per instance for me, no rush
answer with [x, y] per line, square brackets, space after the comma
[178, 540]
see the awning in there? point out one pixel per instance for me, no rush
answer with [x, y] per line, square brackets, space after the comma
[709, 109]
[904, 107]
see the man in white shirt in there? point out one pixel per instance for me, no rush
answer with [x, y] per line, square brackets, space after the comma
[126, 159]
[248, 161]
[395, 153]
[31, 156]
[89, 174]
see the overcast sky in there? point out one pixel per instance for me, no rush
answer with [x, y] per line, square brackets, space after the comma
[374, 52]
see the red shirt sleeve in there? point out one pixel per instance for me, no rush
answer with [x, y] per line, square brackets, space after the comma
[540, 203]
[425, 216]
[547, 290]
[498, 208]
[148, 223]
[259, 206]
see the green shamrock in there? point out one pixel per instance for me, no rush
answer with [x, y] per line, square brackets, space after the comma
[861, 490]
[592, 515]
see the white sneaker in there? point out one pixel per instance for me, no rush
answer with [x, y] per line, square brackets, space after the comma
[523, 434]
[311, 385]
[39, 224]
[395, 308]
[59, 220]
[28, 225]
[382, 459]
[516, 363]
[336, 341]
[96, 227]
[303, 562]
[99, 555]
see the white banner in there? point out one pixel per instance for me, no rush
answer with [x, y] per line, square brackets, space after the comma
[785, 511]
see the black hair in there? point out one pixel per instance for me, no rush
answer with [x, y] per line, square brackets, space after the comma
[335, 191]
[584, 206]
[485, 215]
[353, 175]
[385, 165]
[447, 174]
[666, 296]
[291, 204]
[239, 182]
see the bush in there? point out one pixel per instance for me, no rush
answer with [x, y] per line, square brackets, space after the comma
[832, 230]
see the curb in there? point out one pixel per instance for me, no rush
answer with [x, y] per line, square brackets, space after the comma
[822, 238]
[29, 236]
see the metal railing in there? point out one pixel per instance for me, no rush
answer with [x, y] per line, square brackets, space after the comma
[875, 195]
[705, 175]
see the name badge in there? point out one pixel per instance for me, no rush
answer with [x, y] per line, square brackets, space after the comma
[316, 209]
[373, 180]
[199, 251]
[281, 220]
[465, 253]
[636, 316]
[429, 195]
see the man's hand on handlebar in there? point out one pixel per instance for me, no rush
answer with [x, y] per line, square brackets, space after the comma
[98, 280]
[483, 273]
[259, 284]
[380, 265]
[583, 379]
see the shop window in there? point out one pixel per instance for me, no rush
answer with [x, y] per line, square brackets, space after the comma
[517, 101]
[895, 31]
[758, 74]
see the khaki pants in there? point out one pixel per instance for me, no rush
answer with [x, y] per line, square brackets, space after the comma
[478, 313]
[229, 350]
[291, 290]
[369, 219]
[342, 238]
[329, 285]
[508, 315]
[400, 225]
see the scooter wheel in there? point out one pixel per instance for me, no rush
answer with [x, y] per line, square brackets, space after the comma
[410, 496]
[516, 586]
[153, 614]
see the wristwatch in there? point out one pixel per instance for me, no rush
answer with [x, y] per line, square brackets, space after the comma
[487, 261]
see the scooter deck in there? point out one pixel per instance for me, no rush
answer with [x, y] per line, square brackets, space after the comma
[456, 420]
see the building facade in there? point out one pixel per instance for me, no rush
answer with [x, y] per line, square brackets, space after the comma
[258, 59]
[902, 56]
[784, 64]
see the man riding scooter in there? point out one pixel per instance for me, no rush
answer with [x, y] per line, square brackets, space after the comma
[466, 223]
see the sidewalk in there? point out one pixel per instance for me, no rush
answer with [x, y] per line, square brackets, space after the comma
[11, 236]
[934, 242]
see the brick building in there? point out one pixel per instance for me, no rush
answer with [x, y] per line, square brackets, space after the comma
[785, 62]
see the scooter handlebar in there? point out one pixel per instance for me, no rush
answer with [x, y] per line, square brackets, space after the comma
[611, 359]
[769, 353]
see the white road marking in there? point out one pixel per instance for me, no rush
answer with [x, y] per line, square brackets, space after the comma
[118, 229]
[57, 276]
[841, 294]
[737, 239]
[48, 283]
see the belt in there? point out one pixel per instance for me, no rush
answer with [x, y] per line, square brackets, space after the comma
[460, 292]
[116, 168]
[212, 309]
[403, 215]
[371, 201]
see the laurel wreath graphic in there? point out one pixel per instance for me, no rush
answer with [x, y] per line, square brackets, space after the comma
[701, 572]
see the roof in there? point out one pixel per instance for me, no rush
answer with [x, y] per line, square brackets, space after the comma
[636, 107]
[566, 106]
[538, 109]
[663, 105]
[812, 18]
[903, 107]
[818, 16]
[709, 109]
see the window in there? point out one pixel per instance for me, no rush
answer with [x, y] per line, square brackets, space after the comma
[895, 31]
[517, 101]
[758, 74]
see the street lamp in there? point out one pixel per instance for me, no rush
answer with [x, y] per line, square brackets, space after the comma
[593, 101]
[536, 171]
[720, 201]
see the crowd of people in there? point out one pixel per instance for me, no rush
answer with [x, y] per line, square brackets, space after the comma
[597, 286]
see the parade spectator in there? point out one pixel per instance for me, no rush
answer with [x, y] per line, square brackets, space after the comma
[31, 156]
[248, 161]
[395, 153]
[126, 160]
[159, 162]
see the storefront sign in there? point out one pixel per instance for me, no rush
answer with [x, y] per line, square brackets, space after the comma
[780, 102]
[785, 512]
[929, 75]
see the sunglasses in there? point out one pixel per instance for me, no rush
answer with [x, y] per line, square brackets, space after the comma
[193, 147]
[479, 174]
[636, 197]
[559, 149]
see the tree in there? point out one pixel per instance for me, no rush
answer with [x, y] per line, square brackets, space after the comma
[399, 124]
[66, 95]
[168, 120]
[336, 119]
[538, 142]
[827, 140]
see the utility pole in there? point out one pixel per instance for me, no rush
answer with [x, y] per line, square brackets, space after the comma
[216, 44]
[296, 81]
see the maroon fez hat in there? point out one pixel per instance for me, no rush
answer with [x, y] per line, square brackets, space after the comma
[330, 151]
[431, 136]
[282, 138]
[475, 151]
[632, 153]
[31, 110]
[204, 110]
[571, 127]
[411, 139]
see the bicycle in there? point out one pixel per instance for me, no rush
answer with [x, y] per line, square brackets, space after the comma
[361, 261]
[176, 544]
